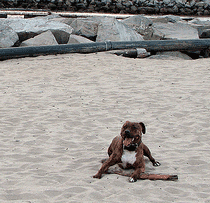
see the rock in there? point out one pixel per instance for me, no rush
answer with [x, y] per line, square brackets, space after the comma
[8, 37]
[133, 9]
[202, 26]
[51, 6]
[113, 30]
[86, 27]
[206, 12]
[30, 27]
[46, 38]
[157, 35]
[75, 39]
[142, 53]
[140, 24]
[170, 55]
[200, 4]
[67, 21]
[119, 6]
[205, 33]
[62, 37]
[166, 19]
[176, 30]
[177, 7]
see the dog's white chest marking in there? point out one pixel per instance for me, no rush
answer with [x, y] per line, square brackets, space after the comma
[128, 157]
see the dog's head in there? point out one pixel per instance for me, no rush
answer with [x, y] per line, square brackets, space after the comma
[131, 133]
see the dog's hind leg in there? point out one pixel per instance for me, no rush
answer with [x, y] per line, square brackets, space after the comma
[112, 160]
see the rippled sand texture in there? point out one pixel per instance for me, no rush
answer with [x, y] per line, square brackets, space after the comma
[58, 115]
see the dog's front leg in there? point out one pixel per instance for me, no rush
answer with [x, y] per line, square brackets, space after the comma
[148, 154]
[136, 174]
[113, 159]
[139, 166]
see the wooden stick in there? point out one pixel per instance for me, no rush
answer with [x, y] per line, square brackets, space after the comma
[144, 176]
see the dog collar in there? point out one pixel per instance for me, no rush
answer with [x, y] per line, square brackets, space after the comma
[132, 147]
[139, 143]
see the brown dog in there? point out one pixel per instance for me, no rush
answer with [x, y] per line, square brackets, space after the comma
[128, 150]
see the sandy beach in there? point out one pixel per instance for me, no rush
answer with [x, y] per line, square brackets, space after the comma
[58, 115]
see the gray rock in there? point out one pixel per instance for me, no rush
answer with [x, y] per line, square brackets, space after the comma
[170, 55]
[166, 2]
[176, 30]
[113, 30]
[75, 39]
[67, 21]
[30, 27]
[119, 6]
[166, 19]
[87, 27]
[200, 4]
[133, 9]
[206, 12]
[175, 9]
[8, 37]
[46, 38]
[142, 53]
[140, 24]
[61, 36]
[202, 26]
[157, 35]
[205, 33]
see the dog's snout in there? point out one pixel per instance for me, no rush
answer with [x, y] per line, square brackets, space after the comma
[127, 132]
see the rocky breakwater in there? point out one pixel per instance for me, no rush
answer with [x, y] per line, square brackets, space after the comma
[53, 29]
[175, 7]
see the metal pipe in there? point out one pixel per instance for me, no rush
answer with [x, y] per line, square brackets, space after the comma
[150, 45]
[32, 12]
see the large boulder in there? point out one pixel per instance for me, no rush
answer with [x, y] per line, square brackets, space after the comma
[114, 30]
[8, 37]
[203, 27]
[86, 27]
[140, 24]
[176, 30]
[61, 36]
[27, 28]
[46, 38]
[75, 39]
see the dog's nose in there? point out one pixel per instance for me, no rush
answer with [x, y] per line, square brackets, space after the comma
[127, 132]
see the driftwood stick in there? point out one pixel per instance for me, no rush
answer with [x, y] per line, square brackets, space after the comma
[143, 176]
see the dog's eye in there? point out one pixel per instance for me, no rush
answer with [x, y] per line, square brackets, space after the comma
[134, 127]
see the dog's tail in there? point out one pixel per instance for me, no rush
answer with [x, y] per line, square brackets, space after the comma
[144, 175]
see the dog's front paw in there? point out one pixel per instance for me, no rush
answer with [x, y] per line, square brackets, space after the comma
[156, 163]
[132, 180]
[97, 176]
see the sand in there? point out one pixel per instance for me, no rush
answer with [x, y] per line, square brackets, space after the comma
[59, 114]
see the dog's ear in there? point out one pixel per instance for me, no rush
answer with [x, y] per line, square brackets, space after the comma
[143, 127]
